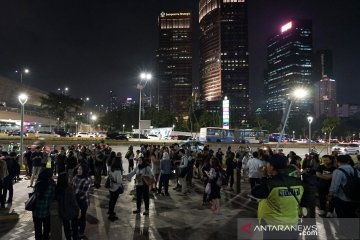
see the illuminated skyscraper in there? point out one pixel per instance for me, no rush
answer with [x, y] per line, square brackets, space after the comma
[224, 62]
[289, 58]
[325, 98]
[174, 62]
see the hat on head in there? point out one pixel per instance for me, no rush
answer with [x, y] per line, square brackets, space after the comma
[278, 161]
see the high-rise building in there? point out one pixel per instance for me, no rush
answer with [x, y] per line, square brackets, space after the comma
[289, 58]
[224, 60]
[175, 62]
[325, 98]
[322, 65]
[113, 102]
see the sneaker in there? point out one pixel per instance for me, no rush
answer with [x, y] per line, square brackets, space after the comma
[146, 213]
[137, 211]
[329, 215]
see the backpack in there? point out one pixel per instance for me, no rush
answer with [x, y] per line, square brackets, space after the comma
[352, 185]
[221, 179]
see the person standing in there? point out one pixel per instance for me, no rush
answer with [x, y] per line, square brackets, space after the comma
[36, 158]
[68, 207]
[45, 191]
[213, 175]
[130, 157]
[142, 189]
[183, 171]
[61, 161]
[155, 167]
[115, 175]
[70, 165]
[3, 174]
[98, 166]
[165, 172]
[324, 173]
[280, 196]
[81, 184]
[28, 163]
[230, 166]
[254, 166]
[13, 169]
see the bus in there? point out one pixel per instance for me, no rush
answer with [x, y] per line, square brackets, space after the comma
[274, 137]
[251, 136]
[215, 134]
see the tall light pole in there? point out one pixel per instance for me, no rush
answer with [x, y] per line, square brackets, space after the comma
[93, 118]
[146, 77]
[22, 99]
[76, 128]
[293, 135]
[132, 128]
[298, 93]
[123, 128]
[310, 119]
[22, 71]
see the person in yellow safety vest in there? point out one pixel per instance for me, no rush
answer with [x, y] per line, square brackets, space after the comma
[280, 196]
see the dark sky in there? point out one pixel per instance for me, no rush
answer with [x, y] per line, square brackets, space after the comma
[96, 46]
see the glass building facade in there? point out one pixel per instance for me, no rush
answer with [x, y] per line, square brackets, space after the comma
[224, 62]
[289, 61]
[174, 58]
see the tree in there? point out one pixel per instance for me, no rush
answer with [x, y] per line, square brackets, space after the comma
[61, 106]
[329, 124]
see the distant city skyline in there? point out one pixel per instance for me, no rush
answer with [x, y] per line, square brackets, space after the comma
[95, 47]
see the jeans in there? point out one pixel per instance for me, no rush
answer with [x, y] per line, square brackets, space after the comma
[42, 228]
[82, 219]
[254, 181]
[323, 193]
[2, 188]
[142, 191]
[8, 186]
[97, 174]
[131, 165]
[344, 209]
[112, 202]
[71, 229]
[230, 176]
[164, 180]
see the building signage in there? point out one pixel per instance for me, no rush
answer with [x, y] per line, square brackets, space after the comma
[286, 27]
[226, 113]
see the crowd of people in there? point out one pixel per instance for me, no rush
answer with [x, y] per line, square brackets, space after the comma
[65, 176]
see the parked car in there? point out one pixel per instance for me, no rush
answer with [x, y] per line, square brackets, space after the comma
[346, 148]
[62, 133]
[101, 135]
[85, 135]
[194, 145]
[16, 133]
[142, 136]
[153, 136]
[117, 136]
[46, 134]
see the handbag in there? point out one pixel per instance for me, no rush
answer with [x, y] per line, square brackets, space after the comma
[30, 204]
[148, 180]
[208, 188]
[120, 190]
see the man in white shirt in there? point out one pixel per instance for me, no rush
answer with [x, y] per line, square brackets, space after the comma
[254, 166]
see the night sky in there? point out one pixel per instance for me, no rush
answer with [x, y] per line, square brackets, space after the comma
[96, 46]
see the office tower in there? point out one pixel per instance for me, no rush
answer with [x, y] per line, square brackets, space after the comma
[174, 58]
[325, 98]
[322, 65]
[224, 62]
[113, 102]
[289, 58]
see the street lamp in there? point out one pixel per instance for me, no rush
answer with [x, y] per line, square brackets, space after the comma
[132, 128]
[76, 128]
[93, 118]
[298, 93]
[293, 135]
[146, 77]
[22, 71]
[310, 119]
[123, 127]
[22, 99]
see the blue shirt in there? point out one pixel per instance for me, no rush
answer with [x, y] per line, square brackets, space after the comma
[339, 179]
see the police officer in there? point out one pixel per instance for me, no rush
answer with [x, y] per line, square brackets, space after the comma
[280, 197]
